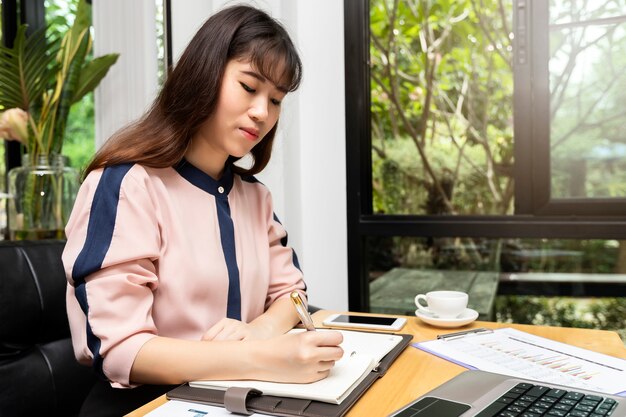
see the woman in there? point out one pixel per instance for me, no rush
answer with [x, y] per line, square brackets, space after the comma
[178, 269]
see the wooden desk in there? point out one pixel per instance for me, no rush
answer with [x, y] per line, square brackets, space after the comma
[416, 372]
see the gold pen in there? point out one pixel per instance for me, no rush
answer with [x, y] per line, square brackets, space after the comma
[302, 311]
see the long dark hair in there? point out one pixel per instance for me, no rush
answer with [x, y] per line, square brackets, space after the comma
[189, 96]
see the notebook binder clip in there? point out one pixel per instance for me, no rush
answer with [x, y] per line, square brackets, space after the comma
[235, 399]
[456, 335]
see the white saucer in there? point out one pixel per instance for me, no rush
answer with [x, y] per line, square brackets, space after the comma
[466, 317]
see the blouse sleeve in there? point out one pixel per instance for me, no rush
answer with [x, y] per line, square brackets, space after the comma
[113, 244]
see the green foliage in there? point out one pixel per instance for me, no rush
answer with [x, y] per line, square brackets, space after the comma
[46, 83]
[555, 255]
[27, 69]
[600, 313]
[441, 104]
[60, 15]
[79, 144]
[2, 171]
[442, 76]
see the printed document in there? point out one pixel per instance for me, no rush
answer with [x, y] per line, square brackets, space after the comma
[513, 352]
[175, 408]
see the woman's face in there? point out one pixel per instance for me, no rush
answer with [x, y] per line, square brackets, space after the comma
[247, 109]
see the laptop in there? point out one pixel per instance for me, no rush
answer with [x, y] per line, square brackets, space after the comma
[476, 393]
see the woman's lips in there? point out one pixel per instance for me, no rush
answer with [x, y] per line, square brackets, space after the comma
[251, 134]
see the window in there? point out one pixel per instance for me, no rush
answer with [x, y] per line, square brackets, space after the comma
[572, 80]
[483, 137]
[441, 108]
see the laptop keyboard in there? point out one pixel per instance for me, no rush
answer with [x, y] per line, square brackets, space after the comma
[528, 400]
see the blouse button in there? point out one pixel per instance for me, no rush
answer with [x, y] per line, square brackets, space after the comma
[220, 189]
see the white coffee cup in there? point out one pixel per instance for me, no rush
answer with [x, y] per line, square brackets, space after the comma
[443, 304]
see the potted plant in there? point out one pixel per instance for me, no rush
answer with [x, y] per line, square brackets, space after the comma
[44, 77]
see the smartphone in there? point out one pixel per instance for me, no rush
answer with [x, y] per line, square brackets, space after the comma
[364, 322]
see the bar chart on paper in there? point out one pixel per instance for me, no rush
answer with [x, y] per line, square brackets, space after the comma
[513, 352]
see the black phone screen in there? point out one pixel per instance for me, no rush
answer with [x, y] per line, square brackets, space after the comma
[384, 321]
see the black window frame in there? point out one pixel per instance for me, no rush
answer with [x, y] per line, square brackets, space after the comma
[535, 216]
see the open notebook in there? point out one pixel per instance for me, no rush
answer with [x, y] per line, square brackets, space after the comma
[362, 353]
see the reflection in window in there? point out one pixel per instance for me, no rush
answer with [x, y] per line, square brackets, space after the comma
[540, 272]
[512, 255]
[593, 313]
[587, 96]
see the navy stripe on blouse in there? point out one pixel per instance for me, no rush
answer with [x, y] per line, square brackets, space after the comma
[220, 190]
[99, 235]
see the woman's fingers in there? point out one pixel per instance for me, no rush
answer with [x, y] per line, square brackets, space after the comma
[214, 331]
[327, 338]
[323, 374]
[330, 353]
[301, 357]
[325, 344]
[226, 329]
[326, 365]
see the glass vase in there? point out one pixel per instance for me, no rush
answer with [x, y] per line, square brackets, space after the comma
[42, 193]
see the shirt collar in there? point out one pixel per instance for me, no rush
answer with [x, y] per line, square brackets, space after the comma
[202, 180]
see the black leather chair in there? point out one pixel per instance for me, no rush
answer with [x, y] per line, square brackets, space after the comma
[38, 372]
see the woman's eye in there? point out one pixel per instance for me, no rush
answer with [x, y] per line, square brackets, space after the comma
[247, 88]
[275, 102]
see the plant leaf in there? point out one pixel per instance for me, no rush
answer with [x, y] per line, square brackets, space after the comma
[92, 73]
[72, 57]
[26, 69]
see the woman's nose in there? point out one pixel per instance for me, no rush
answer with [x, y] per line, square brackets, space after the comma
[259, 110]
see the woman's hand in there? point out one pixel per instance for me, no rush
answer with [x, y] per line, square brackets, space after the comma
[299, 357]
[278, 319]
[231, 329]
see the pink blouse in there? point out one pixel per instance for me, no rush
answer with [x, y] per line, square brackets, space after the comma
[168, 252]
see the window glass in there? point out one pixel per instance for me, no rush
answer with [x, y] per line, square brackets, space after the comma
[587, 95]
[492, 270]
[442, 107]
[161, 41]
[512, 255]
[590, 312]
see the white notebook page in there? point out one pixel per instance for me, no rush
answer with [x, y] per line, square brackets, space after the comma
[362, 353]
